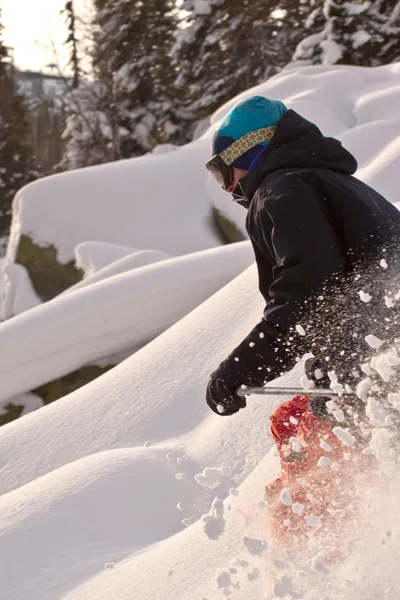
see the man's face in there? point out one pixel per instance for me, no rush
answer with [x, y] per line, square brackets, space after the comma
[238, 175]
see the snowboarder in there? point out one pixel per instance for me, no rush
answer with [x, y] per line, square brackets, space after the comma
[312, 225]
[314, 229]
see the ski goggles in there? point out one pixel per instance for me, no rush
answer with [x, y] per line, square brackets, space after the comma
[220, 165]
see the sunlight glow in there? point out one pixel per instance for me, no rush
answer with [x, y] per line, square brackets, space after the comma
[32, 28]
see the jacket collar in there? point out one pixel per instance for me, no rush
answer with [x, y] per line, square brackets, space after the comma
[297, 144]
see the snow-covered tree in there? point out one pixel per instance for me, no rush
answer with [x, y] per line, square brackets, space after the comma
[361, 32]
[92, 135]
[224, 47]
[132, 58]
[72, 43]
[16, 155]
[128, 106]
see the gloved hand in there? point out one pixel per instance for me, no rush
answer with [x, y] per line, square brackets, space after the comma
[222, 397]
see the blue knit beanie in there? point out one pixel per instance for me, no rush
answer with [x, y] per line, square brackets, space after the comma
[248, 115]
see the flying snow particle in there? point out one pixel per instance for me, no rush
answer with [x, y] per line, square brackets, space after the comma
[334, 383]
[306, 384]
[243, 564]
[223, 579]
[286, 498]
[210, 477]
[186, 522]
[313, 521]
[339, 416]
[180, 476]
[318, 565]
[324, 461]
[383, 264]
[376, 413]
[325, 446]
[254, 547]
[261, 335]
[168, 456]
[331, 405]
[344, 436]
[363, 388]
[366, 368]
[254, 574]
[147, 444]
[180, 506]
[214, 522]
[373, 341]
[300, 330]
[384, 363]
[389, 302]
[296, 446]
[394, 399]
[298, 508]
[109, 566]
[283, 587]
[293, 420]
[287, 523]
[365, 297]
[381, 447]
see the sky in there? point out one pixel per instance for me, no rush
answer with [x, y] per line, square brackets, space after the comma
[30, 29]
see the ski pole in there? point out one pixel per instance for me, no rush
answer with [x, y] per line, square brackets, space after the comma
[266, 391]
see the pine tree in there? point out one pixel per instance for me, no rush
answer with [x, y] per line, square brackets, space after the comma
[16, 156]
[127, 107]
[72, 42]
[223, 47]
[132, 59]
[362, 32]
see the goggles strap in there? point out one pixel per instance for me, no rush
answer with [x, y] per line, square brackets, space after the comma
[251, 139]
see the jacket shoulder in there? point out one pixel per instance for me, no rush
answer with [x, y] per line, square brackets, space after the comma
[278, 182]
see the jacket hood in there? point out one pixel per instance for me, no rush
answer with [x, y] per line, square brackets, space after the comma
[297, 144]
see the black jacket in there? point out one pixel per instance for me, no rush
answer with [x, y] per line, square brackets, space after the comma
[313, 227]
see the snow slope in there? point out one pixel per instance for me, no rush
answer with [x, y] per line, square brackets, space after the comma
[133, 307]
[139, 203]
[95, 487]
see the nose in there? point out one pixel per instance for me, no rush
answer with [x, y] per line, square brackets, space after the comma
[230, 188]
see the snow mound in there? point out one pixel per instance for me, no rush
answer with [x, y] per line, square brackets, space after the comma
[58, 337]
[129, 261]
[135, 495]
[154, 201]
[18, 293]
[93, 256]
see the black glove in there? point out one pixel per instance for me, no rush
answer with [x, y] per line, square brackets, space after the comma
[222, 397]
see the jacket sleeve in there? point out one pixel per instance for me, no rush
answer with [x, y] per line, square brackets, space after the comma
[292, 223]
